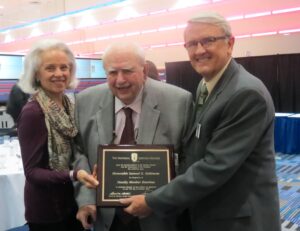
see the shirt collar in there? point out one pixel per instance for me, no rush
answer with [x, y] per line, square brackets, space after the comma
[213, 81]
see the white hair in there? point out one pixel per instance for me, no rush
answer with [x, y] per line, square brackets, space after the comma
[127, 47]
[214, 19]
[28, 82]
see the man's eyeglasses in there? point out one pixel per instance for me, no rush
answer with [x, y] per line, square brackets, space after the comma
[205, 42]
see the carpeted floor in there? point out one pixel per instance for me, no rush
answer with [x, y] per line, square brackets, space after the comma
[288, 173]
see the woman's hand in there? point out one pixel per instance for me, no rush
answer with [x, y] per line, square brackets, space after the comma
[89, 180]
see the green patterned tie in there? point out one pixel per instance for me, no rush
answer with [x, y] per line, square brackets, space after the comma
[203, 95]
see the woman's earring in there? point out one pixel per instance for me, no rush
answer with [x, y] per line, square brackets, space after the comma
[37, 81]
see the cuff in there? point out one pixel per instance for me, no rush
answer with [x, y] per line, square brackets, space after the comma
[73, 175]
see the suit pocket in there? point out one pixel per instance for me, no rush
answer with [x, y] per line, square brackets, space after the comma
[231, 211]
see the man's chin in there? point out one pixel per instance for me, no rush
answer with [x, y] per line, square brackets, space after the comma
[124, 99]
[199, 67]
[201, 71]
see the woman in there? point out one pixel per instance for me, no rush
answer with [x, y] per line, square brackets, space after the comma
[46, 129]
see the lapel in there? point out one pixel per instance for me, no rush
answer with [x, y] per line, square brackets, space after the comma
[105, 118]
[218, 89]
[149, 115]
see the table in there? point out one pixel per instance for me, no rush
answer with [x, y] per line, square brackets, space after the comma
[12, 181]
[12, 199]
[287, 133]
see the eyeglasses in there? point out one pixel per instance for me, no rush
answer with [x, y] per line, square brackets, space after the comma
[205, 42]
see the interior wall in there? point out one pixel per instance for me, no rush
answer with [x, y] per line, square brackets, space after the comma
[267, 45]
[158, 26]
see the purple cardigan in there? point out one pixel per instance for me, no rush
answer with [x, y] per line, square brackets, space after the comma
[48, 194]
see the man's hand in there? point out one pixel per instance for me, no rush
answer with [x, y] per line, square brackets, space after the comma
[136, 206]
[87, 215]
[88, 180]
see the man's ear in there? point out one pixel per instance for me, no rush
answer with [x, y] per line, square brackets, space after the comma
[146, 70]
[231, 41]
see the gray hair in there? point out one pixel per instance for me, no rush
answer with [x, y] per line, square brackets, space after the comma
[28, 82]
[214, 19]
[126, 47]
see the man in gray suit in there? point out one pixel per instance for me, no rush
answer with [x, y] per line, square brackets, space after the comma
[230, 182]
[161, 114]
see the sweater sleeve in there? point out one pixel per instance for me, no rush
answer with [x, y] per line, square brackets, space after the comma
[33, 135]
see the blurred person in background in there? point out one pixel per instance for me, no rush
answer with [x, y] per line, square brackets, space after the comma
[46, 129]
[16, 100]
[152, 70]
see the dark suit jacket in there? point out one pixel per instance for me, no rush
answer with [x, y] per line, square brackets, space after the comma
[164, 119]
[230, 182]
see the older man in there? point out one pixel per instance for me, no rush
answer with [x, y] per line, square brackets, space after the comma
[160, 114]
[230, 181]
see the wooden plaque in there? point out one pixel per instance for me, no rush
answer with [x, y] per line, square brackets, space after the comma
[127, 170]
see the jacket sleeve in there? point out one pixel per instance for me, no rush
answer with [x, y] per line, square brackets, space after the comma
[83, 195]
[239, 129]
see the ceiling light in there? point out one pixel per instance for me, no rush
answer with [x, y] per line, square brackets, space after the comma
[35, 32]
[258, 14]
[289, 31]
[184, 3]
[285, 10]
[158, 12]
[181, 26]
[64, 26]
[133, 33]
[86, 21]
[243, 36]
[126, 13]
[167, 28]
[148, 31]
[175, 44]
[237, 17]
[158, 46]
[264, 34]
[117, 36]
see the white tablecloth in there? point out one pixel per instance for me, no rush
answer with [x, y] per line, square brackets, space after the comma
[11, 200]
[12, 182]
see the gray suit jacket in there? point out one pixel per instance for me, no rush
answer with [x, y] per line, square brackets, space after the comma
[230, 182]
[165, 115]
